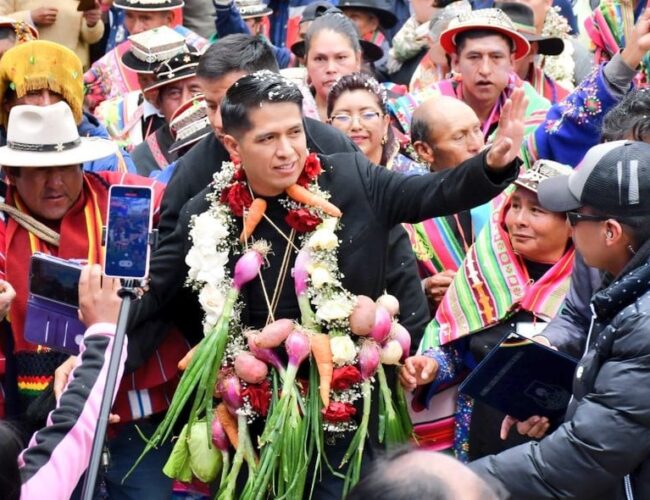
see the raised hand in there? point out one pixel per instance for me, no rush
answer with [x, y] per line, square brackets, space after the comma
[639, 42]
[510, 133]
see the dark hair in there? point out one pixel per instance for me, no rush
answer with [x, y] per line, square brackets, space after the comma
[357, 81]
[384, 481]
[462, 37]
[251, 91]
[420, 129]
[333, 21]
[236, 53]
[10, 448]
[631, 116]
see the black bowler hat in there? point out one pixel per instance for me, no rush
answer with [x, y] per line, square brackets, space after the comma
[380, 8]
[314, 10]
[523, 18]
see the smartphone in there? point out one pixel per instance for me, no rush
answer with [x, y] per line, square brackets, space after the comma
[55, 279]
[51, 317]
[128, 227]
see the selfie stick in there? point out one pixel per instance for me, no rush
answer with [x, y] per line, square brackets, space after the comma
[128, 294]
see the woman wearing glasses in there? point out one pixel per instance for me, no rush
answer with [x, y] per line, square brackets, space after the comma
[512, 280]
[357, 106]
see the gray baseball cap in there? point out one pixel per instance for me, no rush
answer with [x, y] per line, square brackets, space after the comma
[613, 177]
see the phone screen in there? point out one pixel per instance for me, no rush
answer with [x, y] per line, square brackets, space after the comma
[55, 280]
[128, 228]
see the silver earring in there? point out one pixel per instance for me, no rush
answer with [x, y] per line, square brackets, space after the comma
[609, 235]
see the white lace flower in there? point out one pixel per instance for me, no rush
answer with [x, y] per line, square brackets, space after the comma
[334, 309]
[212, 300]
[323, 239]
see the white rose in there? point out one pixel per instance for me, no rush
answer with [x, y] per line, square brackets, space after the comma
[329, 223]
[207, 231]
[323, 239]
[343, 350]
[212, 301]
[193, 260]
[334, 309]
[320, 276]
[212, 268]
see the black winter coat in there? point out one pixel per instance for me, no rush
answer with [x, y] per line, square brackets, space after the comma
[602, 451]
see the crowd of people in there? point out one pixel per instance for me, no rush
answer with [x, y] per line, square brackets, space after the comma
[356, 202]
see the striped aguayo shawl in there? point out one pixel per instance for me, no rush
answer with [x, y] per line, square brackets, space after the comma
[492, 284]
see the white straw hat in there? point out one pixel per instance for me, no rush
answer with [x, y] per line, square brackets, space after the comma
[47, 136]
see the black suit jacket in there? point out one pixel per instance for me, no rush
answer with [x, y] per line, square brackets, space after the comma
[373, 200]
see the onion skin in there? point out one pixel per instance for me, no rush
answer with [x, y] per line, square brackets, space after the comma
[391, 353]
[273, 334]
[362, 319]
[402, 335]
[250, 369]
[383, 323]
[390, 303]
[369, 358]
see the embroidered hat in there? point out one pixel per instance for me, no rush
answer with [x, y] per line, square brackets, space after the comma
[380, 8]
[249, 9]
[41, 64]
[441, 19]
[523, 18]
[190, 123]
[150, 48]
[47, 136]
[484, 19]
[540, 171]
[177, 68]
[613, 177]
[149, 5]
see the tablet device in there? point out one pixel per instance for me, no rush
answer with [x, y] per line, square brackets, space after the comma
[522, 378]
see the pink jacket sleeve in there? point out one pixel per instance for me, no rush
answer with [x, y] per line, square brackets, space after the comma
[58, 454]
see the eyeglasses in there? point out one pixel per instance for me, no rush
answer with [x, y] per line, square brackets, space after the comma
[575, 217]
[366, 118]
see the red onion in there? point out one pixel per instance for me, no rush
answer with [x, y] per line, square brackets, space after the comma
[297, 347]
[219, 437]
[402, 335]
[248, 266]
[369, 356]
[299, 272]
[390, 303]
[230, 391]
[382, 326]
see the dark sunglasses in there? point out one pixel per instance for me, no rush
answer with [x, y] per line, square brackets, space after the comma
[575, 217]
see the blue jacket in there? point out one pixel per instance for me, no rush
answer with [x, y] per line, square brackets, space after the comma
[90, 127]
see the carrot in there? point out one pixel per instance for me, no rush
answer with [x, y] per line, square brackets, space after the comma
[320, 348]
[184, 363]
[304, 196]
[253, 218]
[228, 422]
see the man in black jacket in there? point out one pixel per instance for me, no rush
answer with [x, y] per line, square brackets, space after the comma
[270, 142]
[602, 449]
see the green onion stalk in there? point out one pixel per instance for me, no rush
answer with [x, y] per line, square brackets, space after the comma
[394, 422]
[201, 374]
[369, 355]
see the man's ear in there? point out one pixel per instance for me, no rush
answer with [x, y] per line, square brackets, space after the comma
[232, 146]
[425, 153]
[512, 59]
[614, 233]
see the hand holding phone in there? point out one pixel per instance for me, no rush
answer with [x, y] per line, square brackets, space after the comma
[128, 230]
[98, 299]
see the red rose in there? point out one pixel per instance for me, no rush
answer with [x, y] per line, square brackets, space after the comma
[302, 220]
[345, 377]
[339, 412]
[237, 197]
[311, 170]
[259, 397]
[239, 175]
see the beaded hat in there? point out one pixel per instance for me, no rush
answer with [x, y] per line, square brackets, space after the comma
[190, 123]
[249, 9]
[150, 48]
[484, 19]
[149, 5]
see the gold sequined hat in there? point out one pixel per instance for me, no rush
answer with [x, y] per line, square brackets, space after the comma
[484, 19]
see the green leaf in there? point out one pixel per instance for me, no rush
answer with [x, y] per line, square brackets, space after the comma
[178, 463]
[205, 459]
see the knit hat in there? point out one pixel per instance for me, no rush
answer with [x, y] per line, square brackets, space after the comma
[38, 65]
